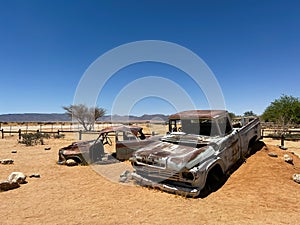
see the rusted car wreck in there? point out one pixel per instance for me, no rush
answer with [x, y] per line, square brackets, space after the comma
[127, 140]
[199, 150]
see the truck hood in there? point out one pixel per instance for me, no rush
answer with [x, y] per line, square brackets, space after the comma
[172, 156]
[77, 147]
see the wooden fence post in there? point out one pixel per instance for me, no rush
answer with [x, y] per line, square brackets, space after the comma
[80, 134]
[20, 132]
[282, 140]
[2, 133]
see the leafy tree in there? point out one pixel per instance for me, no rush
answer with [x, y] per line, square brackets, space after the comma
[249, 113]
[84, 115]
[231, 115]
[285, 110]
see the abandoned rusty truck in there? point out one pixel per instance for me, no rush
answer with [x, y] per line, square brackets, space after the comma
[199, 149]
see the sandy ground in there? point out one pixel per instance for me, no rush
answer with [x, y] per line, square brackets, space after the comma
[260, 191]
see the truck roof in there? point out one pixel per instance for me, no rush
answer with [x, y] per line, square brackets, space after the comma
[196, 114]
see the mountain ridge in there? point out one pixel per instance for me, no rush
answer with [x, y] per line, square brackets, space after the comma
[57, 117]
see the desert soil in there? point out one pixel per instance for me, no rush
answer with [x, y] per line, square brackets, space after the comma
[260, 191]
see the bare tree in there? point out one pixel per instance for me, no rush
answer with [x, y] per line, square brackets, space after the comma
[84, 115]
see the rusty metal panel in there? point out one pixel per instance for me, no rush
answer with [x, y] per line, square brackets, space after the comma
[196, 114]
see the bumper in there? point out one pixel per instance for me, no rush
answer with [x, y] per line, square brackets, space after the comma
[183, 191]
[61, 160]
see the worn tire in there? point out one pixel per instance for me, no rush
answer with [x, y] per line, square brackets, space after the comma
[214, 180]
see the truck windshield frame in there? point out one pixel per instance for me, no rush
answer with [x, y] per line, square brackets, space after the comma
[201, 126]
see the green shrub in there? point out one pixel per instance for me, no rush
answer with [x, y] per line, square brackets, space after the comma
[30, 139]
[58, 136]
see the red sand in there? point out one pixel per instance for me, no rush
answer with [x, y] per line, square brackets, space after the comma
[261, 191]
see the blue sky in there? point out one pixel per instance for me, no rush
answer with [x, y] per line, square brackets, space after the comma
[252, 47]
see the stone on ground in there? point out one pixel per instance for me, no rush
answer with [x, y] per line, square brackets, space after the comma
[288, 159]
[296, 178]
[272, 154]
[71, 162]
[17, 177]
[6, 161]
[6, 185]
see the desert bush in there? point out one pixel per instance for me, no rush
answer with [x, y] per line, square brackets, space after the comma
[30, 139]
[58, 136]
[292, 136]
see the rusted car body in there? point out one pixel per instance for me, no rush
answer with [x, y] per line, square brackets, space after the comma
[127, 140]
[188, 162]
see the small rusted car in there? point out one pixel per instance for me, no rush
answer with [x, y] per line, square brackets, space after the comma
[127, 140]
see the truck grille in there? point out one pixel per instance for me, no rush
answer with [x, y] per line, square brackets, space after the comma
[163, 174]
[153, 163]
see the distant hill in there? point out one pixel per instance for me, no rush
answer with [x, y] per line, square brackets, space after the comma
[145, 117]
[53, 117]
[34, 117]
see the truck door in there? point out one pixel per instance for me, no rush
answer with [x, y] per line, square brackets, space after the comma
[230, 149]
